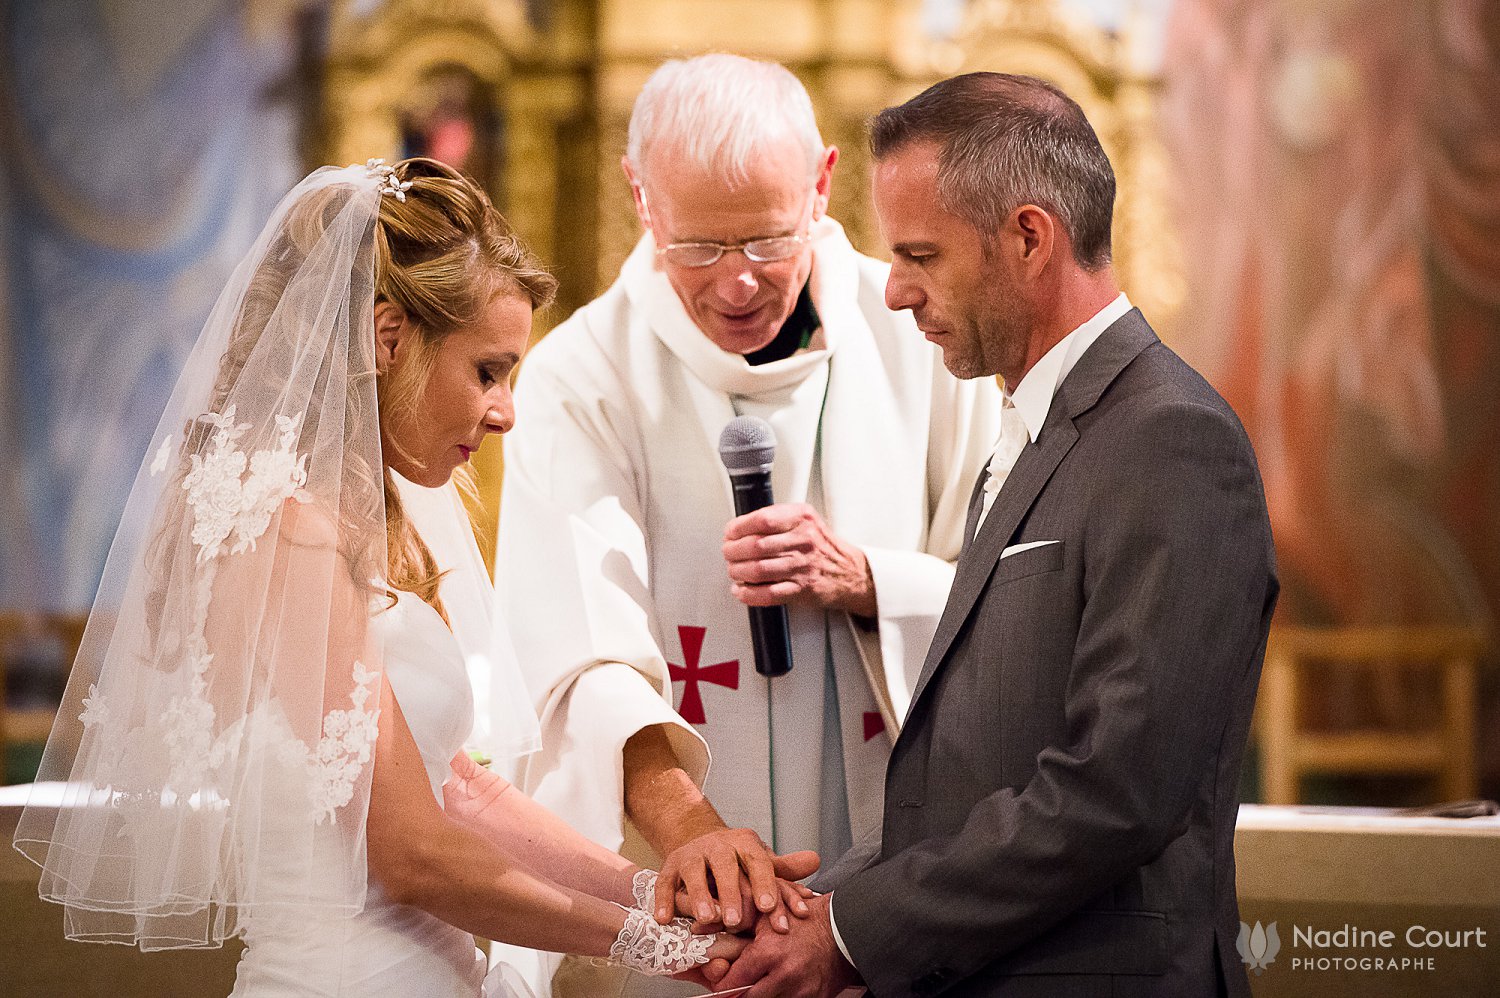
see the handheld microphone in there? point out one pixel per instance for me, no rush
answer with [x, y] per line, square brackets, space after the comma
[747, 447]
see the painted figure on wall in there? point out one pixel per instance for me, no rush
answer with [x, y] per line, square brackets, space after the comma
[1332, 206]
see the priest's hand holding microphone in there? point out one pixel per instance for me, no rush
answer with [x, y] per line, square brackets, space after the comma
[784, 552]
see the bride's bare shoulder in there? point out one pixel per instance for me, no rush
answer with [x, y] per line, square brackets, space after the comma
[308, 523]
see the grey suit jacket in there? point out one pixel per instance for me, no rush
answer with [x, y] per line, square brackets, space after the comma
[1060, 805]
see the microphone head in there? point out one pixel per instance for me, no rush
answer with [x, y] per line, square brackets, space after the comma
[747, 445]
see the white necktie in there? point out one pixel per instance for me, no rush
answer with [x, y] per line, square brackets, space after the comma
[1013, 438]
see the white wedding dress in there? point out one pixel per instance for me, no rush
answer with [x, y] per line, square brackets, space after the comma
[388, 950]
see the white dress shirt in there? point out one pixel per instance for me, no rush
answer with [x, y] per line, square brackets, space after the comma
[1032, 397]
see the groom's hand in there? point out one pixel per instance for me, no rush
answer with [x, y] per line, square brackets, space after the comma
[734, 866]
[803, 963]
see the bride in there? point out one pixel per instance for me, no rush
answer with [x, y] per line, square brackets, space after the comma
[271, 689]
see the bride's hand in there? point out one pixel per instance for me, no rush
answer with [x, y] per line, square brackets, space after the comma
[721, 955]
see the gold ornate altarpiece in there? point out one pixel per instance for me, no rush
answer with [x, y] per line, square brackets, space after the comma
[563, 78]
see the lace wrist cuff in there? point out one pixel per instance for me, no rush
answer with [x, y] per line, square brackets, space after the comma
[643, 889]
[649, 947]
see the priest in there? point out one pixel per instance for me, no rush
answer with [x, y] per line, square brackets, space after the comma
[623, 569]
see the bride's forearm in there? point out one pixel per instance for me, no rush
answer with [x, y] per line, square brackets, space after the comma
[427, 859]
[441, 864]
[535, 837]
[469, 882]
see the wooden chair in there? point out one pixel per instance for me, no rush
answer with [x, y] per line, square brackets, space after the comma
[1445, 751]
[20, 726]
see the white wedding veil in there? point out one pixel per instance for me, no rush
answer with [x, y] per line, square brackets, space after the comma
[215, 743]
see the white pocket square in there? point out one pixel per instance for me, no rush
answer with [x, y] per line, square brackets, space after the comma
[1018, 548]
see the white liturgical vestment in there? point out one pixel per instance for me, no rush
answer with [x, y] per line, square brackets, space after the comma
[610, 567]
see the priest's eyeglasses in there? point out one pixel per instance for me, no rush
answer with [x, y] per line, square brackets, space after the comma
[768, 249]
[762, 249]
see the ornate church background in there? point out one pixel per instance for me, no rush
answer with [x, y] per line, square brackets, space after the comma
[535, 99]
[1306, 212]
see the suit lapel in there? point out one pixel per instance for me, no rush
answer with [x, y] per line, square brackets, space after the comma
[1079, 392]
[1031, 471]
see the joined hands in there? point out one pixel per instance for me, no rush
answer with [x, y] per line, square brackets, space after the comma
[763, 884]
[776, 957]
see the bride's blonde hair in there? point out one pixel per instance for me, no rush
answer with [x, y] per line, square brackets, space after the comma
[441, 255]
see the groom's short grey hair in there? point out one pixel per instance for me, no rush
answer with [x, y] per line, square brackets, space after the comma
[721, 111]
[1005, 141]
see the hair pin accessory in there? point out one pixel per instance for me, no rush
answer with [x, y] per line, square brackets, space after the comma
[388, 182]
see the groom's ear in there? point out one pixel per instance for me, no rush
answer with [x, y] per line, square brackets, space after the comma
[392, 327]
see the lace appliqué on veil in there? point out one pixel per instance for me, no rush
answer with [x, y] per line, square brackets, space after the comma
[345, 748]
[224, 501]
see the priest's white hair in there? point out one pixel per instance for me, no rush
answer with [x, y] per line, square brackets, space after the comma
[721, 111]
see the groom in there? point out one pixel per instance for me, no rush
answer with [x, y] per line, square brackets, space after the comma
[1060, 805]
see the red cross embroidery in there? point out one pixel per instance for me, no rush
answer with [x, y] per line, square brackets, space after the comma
[874, 724]
[726, 674]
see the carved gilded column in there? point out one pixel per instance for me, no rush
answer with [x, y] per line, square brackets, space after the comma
[536, 109]
[848, 96]
[619, 229]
